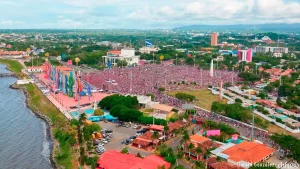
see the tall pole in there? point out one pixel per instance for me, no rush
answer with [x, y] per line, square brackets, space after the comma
[232, 76]
[153, 58]
[252, 130]
[176, 59]
[201, 77]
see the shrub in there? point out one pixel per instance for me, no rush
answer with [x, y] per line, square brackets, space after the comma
[98, 112]
[171, 159]
[125, 150]
[185, 96]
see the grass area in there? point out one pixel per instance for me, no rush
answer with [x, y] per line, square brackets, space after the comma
[38, 102]
[12, 65]
[204, 98]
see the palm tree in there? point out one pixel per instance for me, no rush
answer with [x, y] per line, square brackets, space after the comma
[179, 156]
[190, 147]
[154, 136]
[82, 118]
[198, 151]
[170, 151]
[199, 165]
[166, 129]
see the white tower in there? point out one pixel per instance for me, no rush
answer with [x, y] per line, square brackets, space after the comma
[212, 68]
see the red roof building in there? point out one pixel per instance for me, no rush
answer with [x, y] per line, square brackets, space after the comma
[158, 128]
[116, 160]
[249, 152]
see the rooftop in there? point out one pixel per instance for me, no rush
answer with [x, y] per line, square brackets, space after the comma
[224, 165]
[162, 107]
[198, 139]
[116, 160]
[248, 151]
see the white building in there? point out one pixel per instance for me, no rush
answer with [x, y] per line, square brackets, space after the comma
[265, 49]
[265, 38]
[148, 50]
[35, 69]
[127, 54]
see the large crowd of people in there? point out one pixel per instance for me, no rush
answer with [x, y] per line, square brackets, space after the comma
[141, 80]
[149, 78]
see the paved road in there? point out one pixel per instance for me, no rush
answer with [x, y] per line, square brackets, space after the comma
[176, 142]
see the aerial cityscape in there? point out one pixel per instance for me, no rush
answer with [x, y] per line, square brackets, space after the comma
[150, 85]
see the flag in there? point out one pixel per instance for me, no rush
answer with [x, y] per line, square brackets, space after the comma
[148, 43]
[89, 91]
[69, 62]
[108, 64]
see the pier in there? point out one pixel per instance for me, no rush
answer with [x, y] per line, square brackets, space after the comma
[7, 74]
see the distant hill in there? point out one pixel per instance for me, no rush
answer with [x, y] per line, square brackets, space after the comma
[257, 28]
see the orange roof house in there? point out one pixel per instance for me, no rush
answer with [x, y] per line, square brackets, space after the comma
[198, 139]
[116, 160]
[113, 52]
[250, 152]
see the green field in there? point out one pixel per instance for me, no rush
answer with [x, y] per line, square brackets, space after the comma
[204, 98]
[12, 65]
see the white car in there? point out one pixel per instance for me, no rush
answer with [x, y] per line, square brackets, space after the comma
[104, 141]
[135, 126]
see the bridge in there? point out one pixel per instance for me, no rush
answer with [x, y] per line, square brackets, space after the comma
[7, 74]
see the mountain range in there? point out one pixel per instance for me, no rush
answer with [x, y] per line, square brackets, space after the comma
[250, 27]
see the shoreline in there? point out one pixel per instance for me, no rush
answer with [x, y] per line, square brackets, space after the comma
[49, 133]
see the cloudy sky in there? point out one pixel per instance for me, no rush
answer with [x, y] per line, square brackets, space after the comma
[143, 14]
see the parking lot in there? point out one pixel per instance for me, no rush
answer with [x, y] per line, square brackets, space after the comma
[120, 134]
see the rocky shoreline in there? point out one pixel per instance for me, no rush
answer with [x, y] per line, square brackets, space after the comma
[49, 133]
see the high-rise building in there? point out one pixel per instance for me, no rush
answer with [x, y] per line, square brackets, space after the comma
[214, 39]
[245, 55]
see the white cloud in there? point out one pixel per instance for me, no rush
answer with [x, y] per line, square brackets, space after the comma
[148, 14]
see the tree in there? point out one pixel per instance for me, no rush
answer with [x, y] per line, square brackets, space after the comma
[198, 151]
[88, 130]
[190, 147]
[166, 129]
[125, 150]
[179, 156]
[121, 63]
[82, 118]
[199, 165]
[154, 136]
[98, 112]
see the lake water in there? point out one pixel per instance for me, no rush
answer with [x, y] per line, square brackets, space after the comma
[24, 143]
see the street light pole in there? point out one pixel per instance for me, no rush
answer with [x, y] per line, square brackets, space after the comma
[176, 59]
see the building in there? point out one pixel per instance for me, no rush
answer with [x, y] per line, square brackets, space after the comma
[214, 39]
[265, 49]
[12, 54]
[245, 55]
[35, 69]
[148, 50]
[247, 153]
[116, 160]
[127, 54]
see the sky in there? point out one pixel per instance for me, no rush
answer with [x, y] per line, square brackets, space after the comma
[143, 14]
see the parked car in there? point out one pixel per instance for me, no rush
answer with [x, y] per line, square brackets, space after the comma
[104, 141]
[138, 127]
[135, 126]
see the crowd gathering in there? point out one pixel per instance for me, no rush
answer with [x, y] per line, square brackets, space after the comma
[244, 129]
[149, 78]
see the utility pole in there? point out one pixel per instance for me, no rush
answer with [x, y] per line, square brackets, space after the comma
[252, 130]
[232, 76]
[153, 58]
[176, 59]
